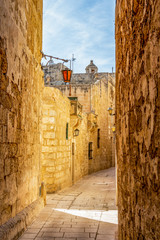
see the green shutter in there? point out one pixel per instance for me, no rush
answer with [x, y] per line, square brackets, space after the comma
[67, 131]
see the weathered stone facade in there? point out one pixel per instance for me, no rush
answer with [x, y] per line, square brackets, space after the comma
[79, 144]
[26, 128]
[56, 145]
[37, 128]
[20, 91]
[65, 157]
[138, 118]
[102, 154]
[96, 93]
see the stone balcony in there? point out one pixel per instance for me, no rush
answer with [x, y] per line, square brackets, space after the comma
[75, 112]
[92, 121]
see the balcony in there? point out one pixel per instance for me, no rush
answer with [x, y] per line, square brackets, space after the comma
[92, 121]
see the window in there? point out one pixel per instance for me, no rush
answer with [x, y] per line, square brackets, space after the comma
[72, 148]
[90, 150]
[66, 131]
[98, 138]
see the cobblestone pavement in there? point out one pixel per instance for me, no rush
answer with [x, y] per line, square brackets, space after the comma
[84, 211]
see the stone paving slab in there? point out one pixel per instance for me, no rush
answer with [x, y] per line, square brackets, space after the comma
[85, 211]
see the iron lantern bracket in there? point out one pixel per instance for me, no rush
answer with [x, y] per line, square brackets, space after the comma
[45, 55]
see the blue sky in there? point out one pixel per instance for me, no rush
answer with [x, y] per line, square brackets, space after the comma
[84, 28]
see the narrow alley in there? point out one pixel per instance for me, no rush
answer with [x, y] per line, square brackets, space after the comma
[86, 210]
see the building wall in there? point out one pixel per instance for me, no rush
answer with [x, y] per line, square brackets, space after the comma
[61, 166]
[53, 76]
[111, 118]
[56, 149]
[95, 92]
[80, 153]
[20, 87]
[82, 78]
[66, 161]
[83, 92]
[96, 99]
[101, 100]
[138, 118]
[53, 72]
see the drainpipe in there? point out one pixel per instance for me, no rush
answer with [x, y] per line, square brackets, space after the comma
[43, 192]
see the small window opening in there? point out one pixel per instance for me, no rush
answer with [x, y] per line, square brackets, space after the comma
[66, 131]
[72, 148]
[98, 138]
[90, 150]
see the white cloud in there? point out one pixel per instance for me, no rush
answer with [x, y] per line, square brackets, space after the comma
[85, 29]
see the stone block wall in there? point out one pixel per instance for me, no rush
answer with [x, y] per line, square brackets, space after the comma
[63, 161]
[111, 118]
[138, 118]
[100, 100]
[96, 99]
[15, 226]
[80, 145]
[56, 148]
[20, 90]
[83, 92]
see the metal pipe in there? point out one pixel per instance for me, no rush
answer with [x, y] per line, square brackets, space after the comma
[64, 60]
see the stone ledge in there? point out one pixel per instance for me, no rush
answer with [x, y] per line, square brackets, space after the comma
[15, 226]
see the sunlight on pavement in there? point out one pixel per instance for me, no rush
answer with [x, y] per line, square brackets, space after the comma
[110, 216]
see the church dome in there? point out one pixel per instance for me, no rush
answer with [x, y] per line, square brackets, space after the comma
[91, 68]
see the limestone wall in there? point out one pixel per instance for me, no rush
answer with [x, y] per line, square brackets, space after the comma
[138, 118]
[82, 78]
[100, 101]
[96, 99]
[56, 148]
[64, 161]
[20, 86]
[79, 147]
[111, 119]
[82, 92]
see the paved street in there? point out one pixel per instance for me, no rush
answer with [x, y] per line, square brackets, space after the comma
[84, 211]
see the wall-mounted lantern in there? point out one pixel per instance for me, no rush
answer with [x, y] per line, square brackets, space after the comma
[67, 73]
[110, 110]
[76, 132]
[114, 129]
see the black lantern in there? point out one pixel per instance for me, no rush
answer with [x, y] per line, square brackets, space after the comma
[110, 110]
[76, 132]
[67, 73]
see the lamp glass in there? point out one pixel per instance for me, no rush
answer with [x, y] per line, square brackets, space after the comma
[67, 75]
[110, 110]
[113, 129]
[76, 132]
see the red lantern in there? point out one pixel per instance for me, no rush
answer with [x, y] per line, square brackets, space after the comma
[67, 75]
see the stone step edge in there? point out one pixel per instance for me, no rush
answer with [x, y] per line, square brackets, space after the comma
[14, 227]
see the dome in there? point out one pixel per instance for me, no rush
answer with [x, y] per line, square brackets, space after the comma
[91, 68]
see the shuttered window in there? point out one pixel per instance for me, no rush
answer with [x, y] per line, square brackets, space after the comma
[90, 150]
[66, 131]
[98, 138]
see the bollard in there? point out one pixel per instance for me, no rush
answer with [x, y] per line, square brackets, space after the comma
[43, 192]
